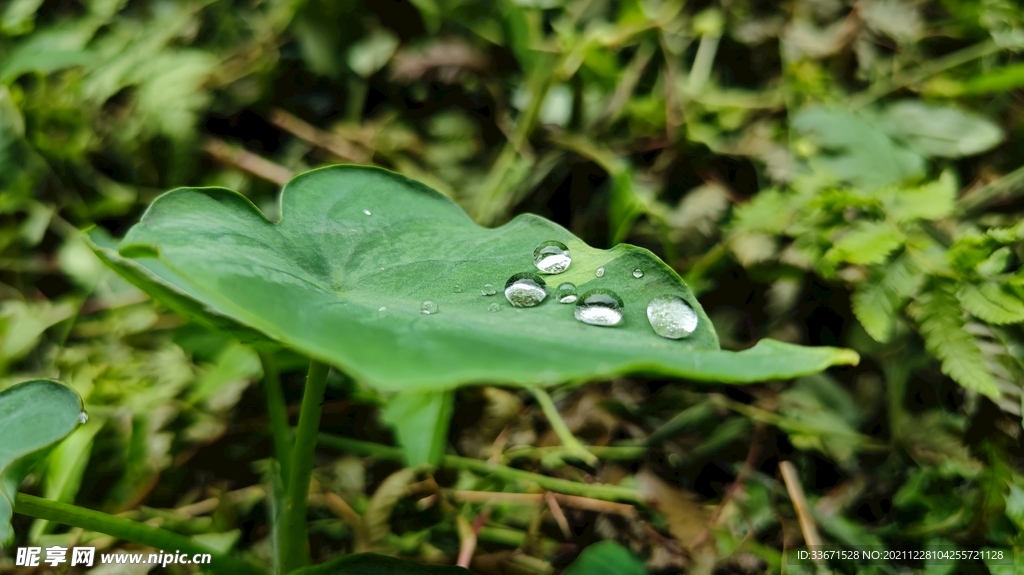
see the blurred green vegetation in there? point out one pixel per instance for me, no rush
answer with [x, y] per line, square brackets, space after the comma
[820, 171]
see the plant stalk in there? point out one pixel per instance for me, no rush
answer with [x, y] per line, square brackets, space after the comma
[277, 413]
[293, 540]
[592, 490]
[128, 530]
[569, 441]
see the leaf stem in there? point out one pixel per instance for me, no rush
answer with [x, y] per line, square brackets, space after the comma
[128, 530]
[294, 537]
[592, 490]
[572, 445]
[277, 412]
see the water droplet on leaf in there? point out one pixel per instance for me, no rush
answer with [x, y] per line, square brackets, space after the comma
[600, 272]
[566, 293]
[599, 306]
[525, 290]
[494, 307]
[552, 257]
[367, 212]
[83, 418]
[638, 273]
[428, 308]
[671, 316]
[488, 289]
[458, 288]
[383, 309]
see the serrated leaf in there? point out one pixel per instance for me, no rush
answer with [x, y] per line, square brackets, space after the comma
[866, 243]
[877, 301]
[930, 201]
[606, 558]
[347, 288]
[941, 131]
[992, 302]
[34, 416]
[420, 421]
[374, 564]
[942, 325]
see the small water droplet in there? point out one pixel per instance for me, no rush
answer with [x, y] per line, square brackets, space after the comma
[367, 212]
[525, 290]
[488, 289]
[428, 308]
[671, 316]
[600, 272]
[458, 288]
[383, 309]
[566, 293]
[552, 257]
[83, 418]
[494, 307]
[638, 273]
[599, 306]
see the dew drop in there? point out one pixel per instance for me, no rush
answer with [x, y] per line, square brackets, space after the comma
[566, 293]
[83, 418]
[600, 272]
[428, 308]
[599, 306]
[671, 316]
[367, 212]
[525, 289]
[494, 307]
[552, 257]
[458, 288]
[383, 309]
[488, 289]
[638, 273]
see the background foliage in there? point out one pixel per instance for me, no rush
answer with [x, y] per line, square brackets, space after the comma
[822, 172]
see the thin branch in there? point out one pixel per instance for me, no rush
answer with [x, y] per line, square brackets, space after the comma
[587, 490]
[333, 143]
[247, 161]
[558, 514]
[803, 511]
[737, 484]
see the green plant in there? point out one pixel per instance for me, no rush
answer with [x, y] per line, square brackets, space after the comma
[342, 279]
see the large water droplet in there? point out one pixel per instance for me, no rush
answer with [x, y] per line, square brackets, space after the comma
[525, 290]
[552, 257]
[367, 212]
[599, 306]
[428, 307]
[600, 272]
[566, 293]
[83, 418]
[494, 307]
[671, 316]
[638, 273]
[488, 289]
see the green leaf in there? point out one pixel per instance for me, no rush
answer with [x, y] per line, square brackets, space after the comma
[347, 288]
[1015, 505]
[372, 53]
[420, 421]
[992, 302]
[930, 201]
[374, 564]
[606, 558]
[866, 243]
[65, 467]
[878, 301]
[941, 131]
[34, 416]
[942, 325]
[858, 152]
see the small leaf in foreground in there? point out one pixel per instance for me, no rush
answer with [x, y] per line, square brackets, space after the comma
[34, 416]
[606, 558]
